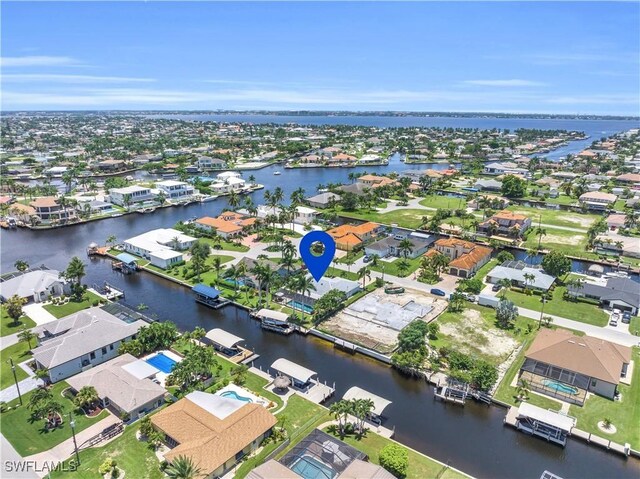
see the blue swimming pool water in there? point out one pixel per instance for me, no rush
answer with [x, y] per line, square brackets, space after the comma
[162, 362]
[299, 306]
[310, 468]
[560, 387]
[235, 395]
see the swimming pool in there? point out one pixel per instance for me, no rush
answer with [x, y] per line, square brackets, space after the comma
[298, 306]
[235, 395]
[162, 362]
[310, 468]
[560, 387]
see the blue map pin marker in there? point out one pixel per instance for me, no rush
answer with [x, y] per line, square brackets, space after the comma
[317, 265]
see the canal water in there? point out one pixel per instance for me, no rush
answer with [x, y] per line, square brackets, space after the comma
[472, 438]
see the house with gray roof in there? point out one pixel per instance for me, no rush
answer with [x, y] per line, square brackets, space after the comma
[515, 272]
[125, 384]
[34, 286]
[92, 338]
[390, 246]
[488, 185]
[323, 200]
[620, 293]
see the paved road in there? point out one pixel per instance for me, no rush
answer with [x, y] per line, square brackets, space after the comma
[26, 385]
[10, 459]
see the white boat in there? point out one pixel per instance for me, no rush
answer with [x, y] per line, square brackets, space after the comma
[277, 173]
[204, 199]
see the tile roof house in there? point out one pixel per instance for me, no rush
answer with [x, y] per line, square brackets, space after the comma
[124, 384]
[628, 178]
[48, 208]
[597, 200]
[561, 364]
[36, 285]
[89, 342]
[215, 432]
[323, 200]
[347, 237]
[505, 223]
[227, 225]
[465, 257]
[621, 293]
[375, 181]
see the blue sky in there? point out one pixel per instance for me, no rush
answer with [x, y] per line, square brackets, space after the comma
[526, 57]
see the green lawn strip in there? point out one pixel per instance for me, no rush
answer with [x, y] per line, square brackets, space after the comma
[578, 310]
[29, 437]
[393, 267]
[444, 202]
[556, 217]
[339, 273]
[7, 326]
[475, 339]
[60, 311]
[634, 325]
[405, 217]
[567, 242]
[420, 466]
[482, 272]
[509, 394]
[350, 258]
[19, 352]
[134, 457]
[226, 245]
[624, 414]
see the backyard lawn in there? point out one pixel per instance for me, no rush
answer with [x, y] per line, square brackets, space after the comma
[405, 217]
[7, 326]
[134, 457]
[624, 414]
[444, 202]
[60, 311]
[30, 437]
[19, 352]
[226, 245]
[393, 267]
[582, 311]
[556, 217]
[420, 466]
[482, 272]
[568, 242]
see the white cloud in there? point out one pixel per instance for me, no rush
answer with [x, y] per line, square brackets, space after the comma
[504, 83]
[38, 61]
[62, 78]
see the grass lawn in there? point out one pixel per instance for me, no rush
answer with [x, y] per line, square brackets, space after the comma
[7, 326]
[339, 273]
[567, 242]
[393, 267]
[634, 325]
[556, 217]
[19, 352]
[72, 306]
[444, 202]
[509, 394]
[228, 245]
[29, 437]
[350, 257]
[476, 338]
[582, 311]
[405, 217]
[624, 414]
[482, 272]
[134, 457]
[420, 466]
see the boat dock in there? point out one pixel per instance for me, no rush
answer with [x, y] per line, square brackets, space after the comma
[453, 391]
[108, 291]
[209, 296]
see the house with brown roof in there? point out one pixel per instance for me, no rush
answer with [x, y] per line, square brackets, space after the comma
[560, 364]
[215, 432]
[505, 223]
[375, 181]
[629, 178]
[465, 257]
[48, 208]
[227, 225]
[597, 200]
[348, 237]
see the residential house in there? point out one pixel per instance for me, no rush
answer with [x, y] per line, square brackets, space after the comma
[615, 221]
[597, 200]
[620, 293]
[215, 432]
[358, 189]
[93, 337]
[348, 237]
[111, 165]
[125, 385]
[629, 179]
[320, 288]
[323, 200]
[176, 190]
[304, 215]
[560, 364]
[375, 181]
[227, 182]
[208, 163]
[488, 185]
[465, 257]
[617, 244]
[130, 195]
[504, 168]
[505, 223]
[163, 239]
[229, 224]
[48, 208]
[390, 246]
[37, 285]
[521, 275]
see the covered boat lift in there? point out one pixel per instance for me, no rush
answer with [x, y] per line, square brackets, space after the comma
[544, 423]
[126, 263]
[303, 381]
[209, 296]
[228, 345]
[274, 321]
[379, 403]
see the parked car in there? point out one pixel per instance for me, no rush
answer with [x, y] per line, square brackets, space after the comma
[470, 297]
[613, 321]
[366, 259]
[626, 317]
[496, 287]
[438, 292]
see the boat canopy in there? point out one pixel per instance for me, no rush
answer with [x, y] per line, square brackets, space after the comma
[223, 338]
[271, 314]
[560, 421]
[205, 290]
[291, 369]
[126, 258]
[379, 403]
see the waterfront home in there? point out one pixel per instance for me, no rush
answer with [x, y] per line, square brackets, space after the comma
[342, 159]
[390, 246]
[617, 244]
[215, 432]
[176, 190]
[620, 293]
[111, 165]
[227, 225]
[48, 208]
[504, 168]
[348, 237]
[298, 301]
[227, 182]
[130, 194]
[560, 364]
[56, 171]
[357, 189]
[465, 257]
[488, 185]
[521, 275]
[208, 163]
[597, 200]
[126, 385]
[323, 200]
[375, 181]
[505, 223]
[157, 240]
[34, 286]
[319, 451]
[616, 221]
[93, 337]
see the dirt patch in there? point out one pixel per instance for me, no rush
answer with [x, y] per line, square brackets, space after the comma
[574, 240]
[471, 330]
[579, 220]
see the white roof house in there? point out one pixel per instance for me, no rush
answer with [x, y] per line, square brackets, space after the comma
[326, 284]
[34, 285]
[162, 239]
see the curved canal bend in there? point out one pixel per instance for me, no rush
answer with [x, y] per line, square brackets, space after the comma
[472, 439]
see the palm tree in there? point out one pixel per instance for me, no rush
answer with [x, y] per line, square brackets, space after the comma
[363, 274]
[53, 410]
[233, 200]
[406, 247]
[505, 283]
[528, 279]
[523, 389]
[21, 265]
[540, 232]
[252, 180]
[111, 240]
[217, 264]
[26, 336]
[183, 467]
[198, 333]
[305, 285]
[86, 397]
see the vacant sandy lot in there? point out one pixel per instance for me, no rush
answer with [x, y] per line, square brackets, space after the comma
[572, 240]
[579, 220]
[472, 328]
